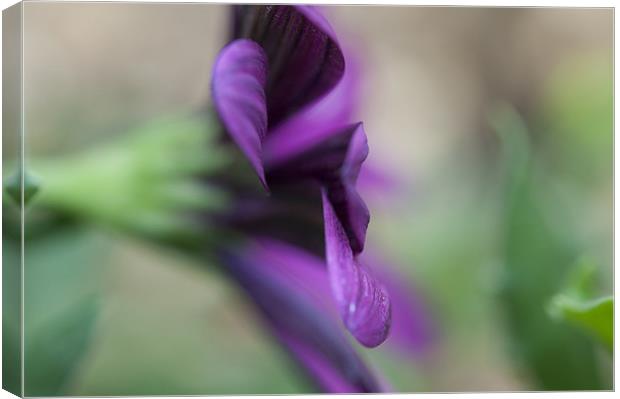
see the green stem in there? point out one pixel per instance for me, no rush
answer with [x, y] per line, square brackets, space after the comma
[144, 182]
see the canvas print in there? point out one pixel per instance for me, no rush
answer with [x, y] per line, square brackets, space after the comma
[230, 199]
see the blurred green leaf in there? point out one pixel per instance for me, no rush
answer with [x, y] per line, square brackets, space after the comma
[60, 306]
[56, 347]
[576, 306]
[595, 316]
[11, 297]
[580, 280]
[537, 247]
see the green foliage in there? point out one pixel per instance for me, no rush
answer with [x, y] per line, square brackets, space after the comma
[536, 253]
[595, 316]
[575, 305]
[11, 297]
[54, 349]
[147, 182]
[60, 306]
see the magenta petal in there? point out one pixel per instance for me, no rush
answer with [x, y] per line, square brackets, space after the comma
[314, 15]
[305, 60]
[363, 302]
[414, 331]
[332, 158]
[305, 271]
[287, 285]
[317, 364]
[238, 91]
[351, 210]
[317, 121]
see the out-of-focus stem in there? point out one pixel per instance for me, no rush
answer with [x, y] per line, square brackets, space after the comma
[146, 182]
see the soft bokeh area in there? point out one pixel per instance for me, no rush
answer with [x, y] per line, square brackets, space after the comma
[490, 131]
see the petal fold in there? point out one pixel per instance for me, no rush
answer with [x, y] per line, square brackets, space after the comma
[320, 119]
[305, 59]
[238, 92]
[363, 302]
[334, 159]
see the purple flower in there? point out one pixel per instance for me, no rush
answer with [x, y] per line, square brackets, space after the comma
[281, 211]
[283, 95]
[282, 59]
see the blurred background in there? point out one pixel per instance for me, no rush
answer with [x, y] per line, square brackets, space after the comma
[494, 126]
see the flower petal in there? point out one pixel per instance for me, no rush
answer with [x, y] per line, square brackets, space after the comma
[318, 366]
[302, 323]
[334, 159]
[363, 302]
[305, 60]
[238, 92]
[414, 330]
[318, 120]
[302, 269]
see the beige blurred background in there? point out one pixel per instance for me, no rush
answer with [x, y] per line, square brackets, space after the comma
[431, 74]
[116, 64]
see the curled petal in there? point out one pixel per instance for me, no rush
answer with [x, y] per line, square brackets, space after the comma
[320, 119]
[301, 322]
[363, 302]
[238, 92]
[414, 331]
[334, 159]
[351, 210]
[305, 60]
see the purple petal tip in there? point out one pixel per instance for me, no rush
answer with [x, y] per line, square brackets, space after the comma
[238, 91]
[363, 302]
